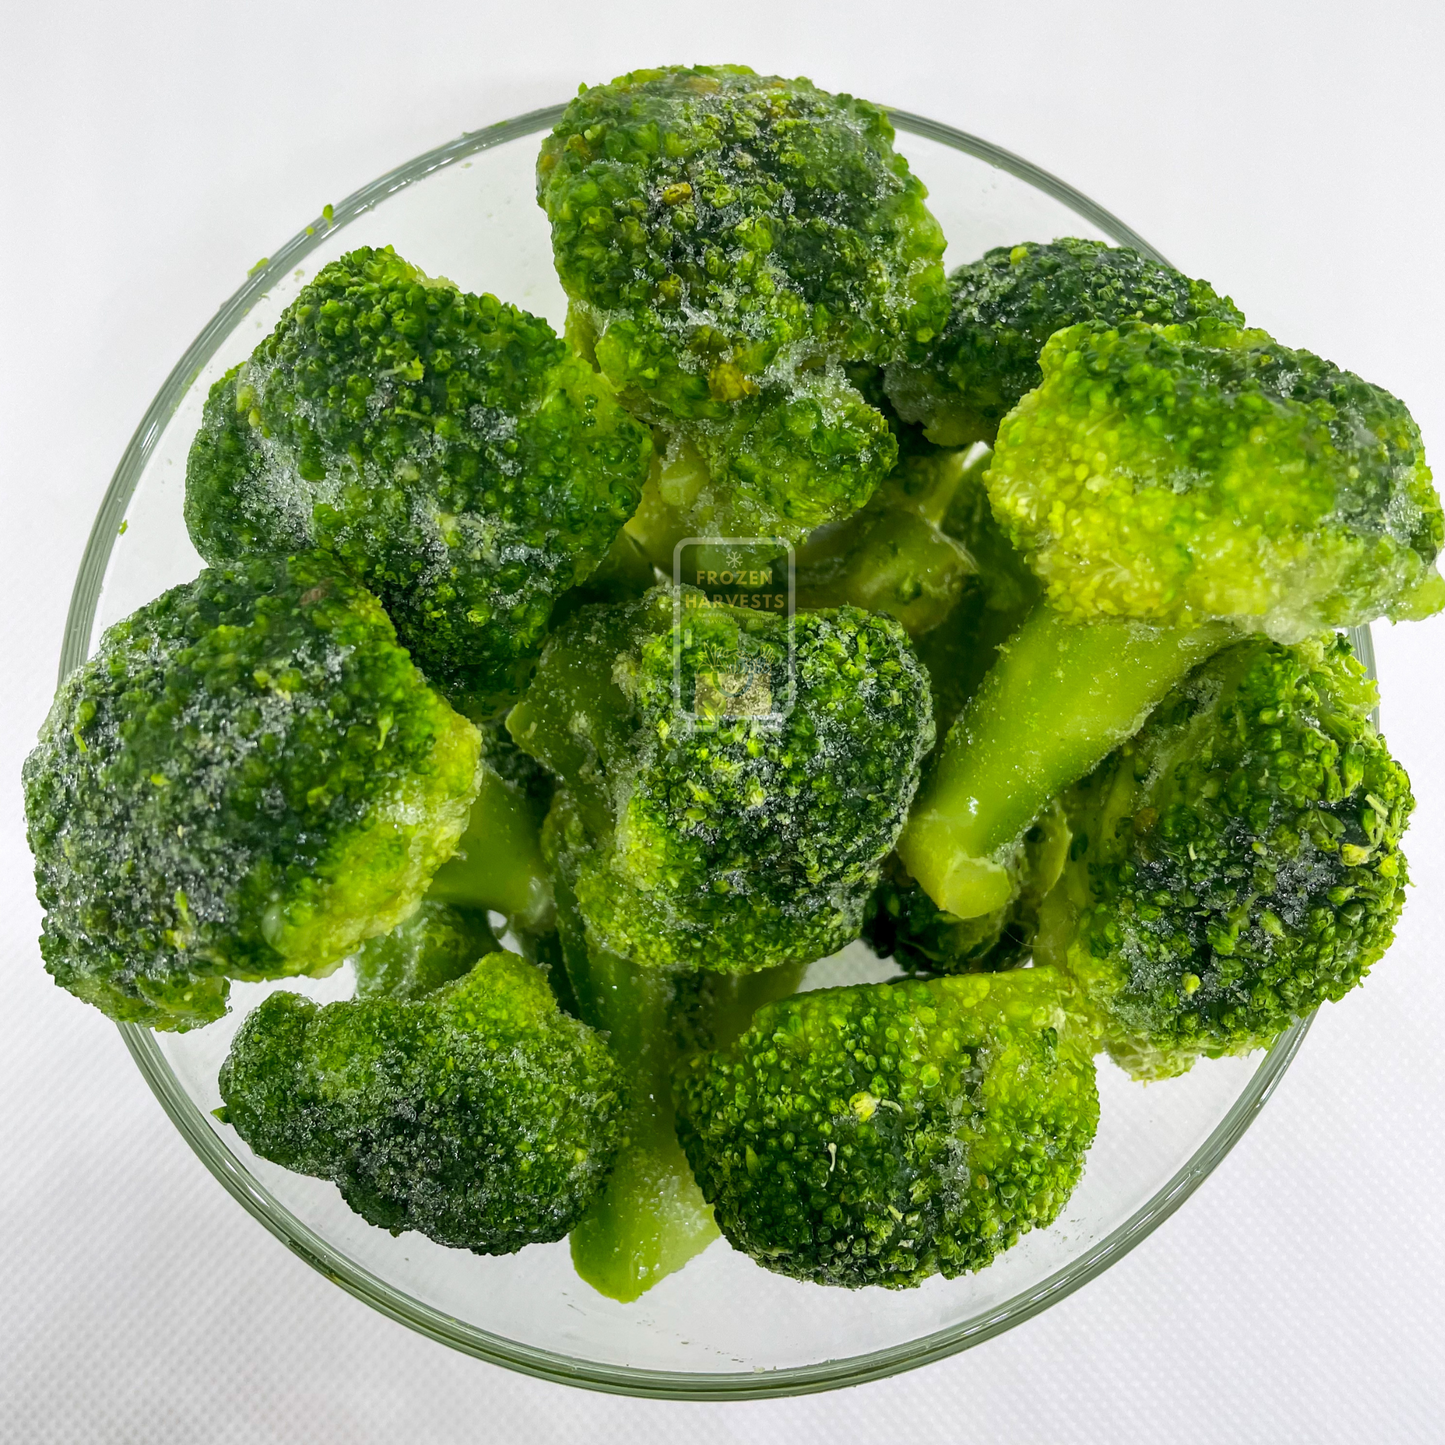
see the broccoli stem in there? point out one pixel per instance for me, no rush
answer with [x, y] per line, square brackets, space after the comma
[1059, 698]
[650, 1217]
[498, 863]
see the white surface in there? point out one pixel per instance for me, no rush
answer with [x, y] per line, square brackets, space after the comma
[1292, 153]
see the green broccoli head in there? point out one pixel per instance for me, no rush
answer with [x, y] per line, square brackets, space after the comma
[1180, 474]
[1238, 862]
[435, 945]
[905, 924]
[450, 450]
[479, 1115]
[880, 1134]
[246, 780]
[738, 795]
[711, 224]
[1008, 303]
[728, 241]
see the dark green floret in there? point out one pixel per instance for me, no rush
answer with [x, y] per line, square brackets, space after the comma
[1182, 474]
[246, 780]
[449, 449]
[880, 1134]
[708, 221]
[738, 822]
[1238, 862]
[1008, 303]
[435, 945]
[478, 1115]
[728, 241]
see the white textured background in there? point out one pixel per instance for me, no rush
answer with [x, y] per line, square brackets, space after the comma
[1293, 153]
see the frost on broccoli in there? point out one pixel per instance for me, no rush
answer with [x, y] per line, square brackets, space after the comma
[740, 776]
[1180, 474]
[247, 779]
[435, 945]
[449, 449]
[883, 1133]
[729, 242]
[1238, 862]
[1008, 303]
[478, 1115]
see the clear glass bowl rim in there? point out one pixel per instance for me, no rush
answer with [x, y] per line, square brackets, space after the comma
[303, 1241]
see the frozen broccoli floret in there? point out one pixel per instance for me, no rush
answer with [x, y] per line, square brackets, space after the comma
[478, 1115]
[880, 1134]
[727, 241]
[449, 449]
[1235, 864]
[905, 924]
[1182, 474]
[738, 798]
[248, 779]
[1171, 486]
[707, 221]
[1008, 303]
[435, 945]
[650, 1217]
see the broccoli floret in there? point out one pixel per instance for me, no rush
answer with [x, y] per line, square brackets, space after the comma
[1171, 486]
[1181, 474]
[883, 1133]
[738, 799]
[435, 945]
[1008, 303]
[905, 924]
[479, 1115]
[246, 780]
[449, 449]
[1236, 863]
[728, 241]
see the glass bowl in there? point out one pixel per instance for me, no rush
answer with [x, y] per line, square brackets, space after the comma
[722, 1328]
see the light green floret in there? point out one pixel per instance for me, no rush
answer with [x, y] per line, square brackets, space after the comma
[449, 449]
[1008, 303]
[1235, 864]
[739, 798]
[880, 1134]
[1182, 474]
[1172, 487]
[435, 945]
[478, 1115]
[248, 779]
[727, 240]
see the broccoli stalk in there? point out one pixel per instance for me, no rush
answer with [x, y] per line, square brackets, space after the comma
[1057, 700]
[650, 1218]
[498, 863]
